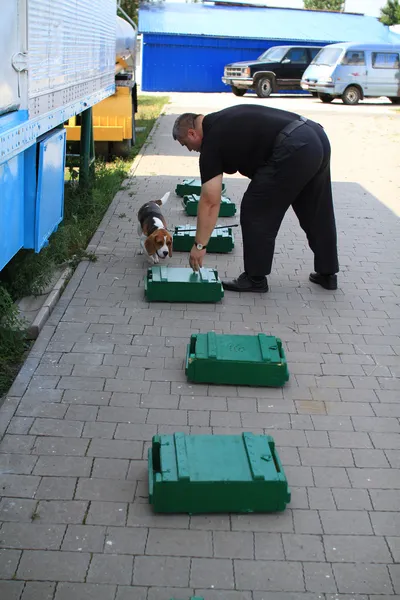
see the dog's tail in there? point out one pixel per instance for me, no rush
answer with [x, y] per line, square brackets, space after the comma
[163, 200]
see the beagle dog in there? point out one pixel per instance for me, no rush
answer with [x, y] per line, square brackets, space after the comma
[155, 239]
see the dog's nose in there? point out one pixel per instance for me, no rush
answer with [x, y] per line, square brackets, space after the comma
[165, 252]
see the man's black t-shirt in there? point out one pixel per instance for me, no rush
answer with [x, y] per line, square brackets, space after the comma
[240, 138]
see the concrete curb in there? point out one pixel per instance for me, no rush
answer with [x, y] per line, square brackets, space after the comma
[38, 323]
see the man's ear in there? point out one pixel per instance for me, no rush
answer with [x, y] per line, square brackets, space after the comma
[150, 245]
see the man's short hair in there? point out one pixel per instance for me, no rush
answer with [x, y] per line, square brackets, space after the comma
[182, 124]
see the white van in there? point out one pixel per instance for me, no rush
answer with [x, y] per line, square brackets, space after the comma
[353, 71]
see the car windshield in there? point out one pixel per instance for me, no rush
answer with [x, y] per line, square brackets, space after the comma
[273, 54]
[327, 56]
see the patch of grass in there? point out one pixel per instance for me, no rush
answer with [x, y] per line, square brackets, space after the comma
[29, 273]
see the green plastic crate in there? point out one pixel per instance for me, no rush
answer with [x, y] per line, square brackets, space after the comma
[221, 240]
[257, 360]
[191, 202]
[216, 474]
[191, 186]
[176, 284]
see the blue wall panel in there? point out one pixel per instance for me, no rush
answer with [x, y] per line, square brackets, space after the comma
[174, 63]
[11, 208]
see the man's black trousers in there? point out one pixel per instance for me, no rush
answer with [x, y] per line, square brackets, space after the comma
[297, 175]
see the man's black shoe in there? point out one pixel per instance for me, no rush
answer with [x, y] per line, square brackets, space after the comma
[244, 283]
[329, 282]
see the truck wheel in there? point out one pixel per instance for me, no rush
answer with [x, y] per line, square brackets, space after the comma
[238, 91]
[325, 98]
[102, 150]
[351, 95]
[122, 149]
[395, 100]
[264, 87]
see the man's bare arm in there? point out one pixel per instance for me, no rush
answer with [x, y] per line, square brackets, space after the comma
[208, 210]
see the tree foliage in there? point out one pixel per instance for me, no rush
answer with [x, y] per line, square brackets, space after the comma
[332, 5]
[390, 13]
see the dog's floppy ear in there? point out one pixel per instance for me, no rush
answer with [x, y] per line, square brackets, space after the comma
[150, 245]
[169, 244]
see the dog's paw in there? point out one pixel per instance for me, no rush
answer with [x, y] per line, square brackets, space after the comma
[156, 259]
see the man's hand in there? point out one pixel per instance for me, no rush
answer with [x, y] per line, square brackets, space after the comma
[196, 258]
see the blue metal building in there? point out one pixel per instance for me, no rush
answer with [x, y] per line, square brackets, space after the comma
[186, 46]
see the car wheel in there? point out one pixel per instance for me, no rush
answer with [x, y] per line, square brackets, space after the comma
[314, 94]
[264, 87]
[238, 91]
[351, 95]
[325, 98]
[395, 100]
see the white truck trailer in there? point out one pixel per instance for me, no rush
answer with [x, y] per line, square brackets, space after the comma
[57, 59]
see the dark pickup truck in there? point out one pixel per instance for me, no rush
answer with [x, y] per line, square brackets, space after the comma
[279, 68]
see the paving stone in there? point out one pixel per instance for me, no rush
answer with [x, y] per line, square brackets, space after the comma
[110, 569]
[81, 412]
[169, 542]
[100, 489]
[38, 590]
[232, 544]
[139, 432]
[18, 464]
[99, 430]
[352, 499]
[131, 593]
[36, 536]
[394, 545]
[38, 565]
[355, 549]
[394, 571]
[56, 488]
[307, 521]
[9, 560]
[84, 538]
[58, 511]
[319, 577]
[211, 522]
[345, 522]
[321, 498]
[161, 571]
[85, 591]
[303, 547]
[385, 499]
[69, 466]
[56, 427]
[125, 540]
[268, 546]
[370, 458]
[386, 523]
[83, 397]
[365, 578]
[142, 515]
[216, 573]
[115, 449]
[160, 593]
[278, 522]
[19, 486]
[330, 477]
[326, 457]
[57, 445]
[107, 513]
[16, 509]
[110, 468]
[20, 425]
[18, 444]
[273, 576]
[375, 478]
[11, 590]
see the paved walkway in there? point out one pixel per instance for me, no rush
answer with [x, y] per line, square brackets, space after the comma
[106, 374]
